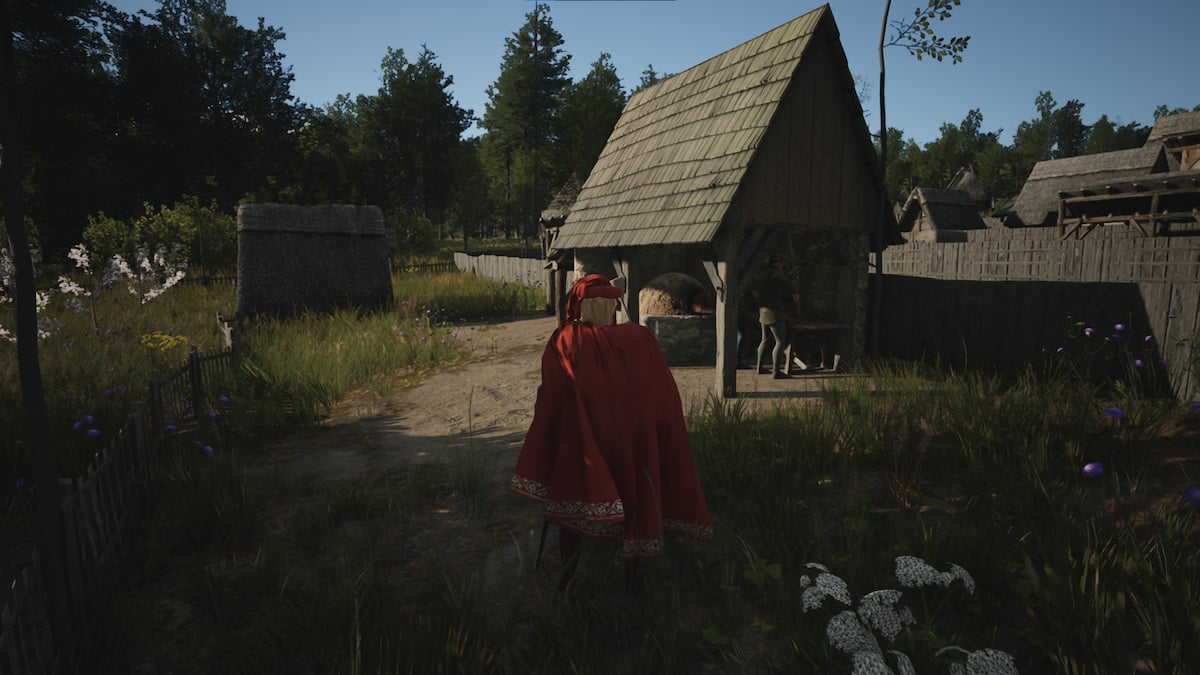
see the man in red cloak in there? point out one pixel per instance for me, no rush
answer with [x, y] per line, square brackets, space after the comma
[607, 454]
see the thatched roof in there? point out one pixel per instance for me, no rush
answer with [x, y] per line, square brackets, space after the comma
[556, 212]
[1037, 204]
[942, 210]
[1167, 126]
[967, 180]
[681, 149]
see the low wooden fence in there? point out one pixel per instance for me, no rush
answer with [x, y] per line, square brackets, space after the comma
[99, 506]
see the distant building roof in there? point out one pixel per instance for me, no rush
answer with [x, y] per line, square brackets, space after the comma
[932, 210]
[1037, 204]
[1181, 124]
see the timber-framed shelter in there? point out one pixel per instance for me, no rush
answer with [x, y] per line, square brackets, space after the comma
[739, 158]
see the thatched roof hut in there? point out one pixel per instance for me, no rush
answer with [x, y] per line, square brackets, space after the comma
[932, 214]
[732, 160]
[1180, 134]
[967, 180]
[1037, 204]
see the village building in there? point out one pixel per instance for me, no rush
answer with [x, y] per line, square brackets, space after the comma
[933, 214]
[749, 155]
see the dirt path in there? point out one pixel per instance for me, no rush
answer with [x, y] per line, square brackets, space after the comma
[482, 407]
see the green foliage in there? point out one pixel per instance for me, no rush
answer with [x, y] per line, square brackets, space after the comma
[591, 108]
[207, 236]
[106, 237]
[917, 36]
[523, 104]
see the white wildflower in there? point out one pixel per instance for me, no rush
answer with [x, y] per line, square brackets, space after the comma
[6, 335]
[817, 566]
[963, 576]
[878, 611]
[42, 299]
[869, 663]
[826, 586]
[79, 254]
[982, 662]
[903, 663]
[805, 581]
[848, 634]
[916, 573]
[991, 662]
[69, 287]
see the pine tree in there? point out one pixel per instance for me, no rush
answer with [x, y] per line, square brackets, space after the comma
[519, 116]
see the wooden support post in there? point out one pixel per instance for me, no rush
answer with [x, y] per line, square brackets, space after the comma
[725, 248]
[626, 267]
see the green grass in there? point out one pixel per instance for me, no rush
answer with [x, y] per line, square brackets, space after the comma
[425, 569]
[401, 575]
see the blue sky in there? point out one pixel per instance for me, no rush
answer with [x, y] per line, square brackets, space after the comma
[1119, 58]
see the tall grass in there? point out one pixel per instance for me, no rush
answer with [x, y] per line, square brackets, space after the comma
[397, 574]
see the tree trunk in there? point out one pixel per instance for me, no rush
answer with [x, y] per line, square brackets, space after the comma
[49, 517]
[877, 288]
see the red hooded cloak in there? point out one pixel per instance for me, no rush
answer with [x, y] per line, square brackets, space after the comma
[607, 454]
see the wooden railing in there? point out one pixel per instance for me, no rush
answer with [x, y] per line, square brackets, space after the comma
[99, 506]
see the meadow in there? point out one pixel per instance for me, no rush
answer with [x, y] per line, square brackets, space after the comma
[1065, 499]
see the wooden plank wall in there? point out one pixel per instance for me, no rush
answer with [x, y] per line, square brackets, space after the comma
[1004, 296]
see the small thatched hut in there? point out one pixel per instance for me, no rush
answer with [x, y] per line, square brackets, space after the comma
[932, 214]
[741, 157]
[1180, 134]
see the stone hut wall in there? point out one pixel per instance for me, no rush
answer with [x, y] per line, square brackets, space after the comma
[297, 258]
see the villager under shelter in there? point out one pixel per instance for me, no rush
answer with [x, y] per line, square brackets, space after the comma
[735, 160]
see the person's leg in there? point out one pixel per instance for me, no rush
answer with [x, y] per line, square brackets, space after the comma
[762, 347]
[778, 332]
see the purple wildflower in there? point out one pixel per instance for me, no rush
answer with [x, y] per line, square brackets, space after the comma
[93, 432]
[1149, 338]
[1092, 469]
[88, 419]
[78, 425]
[222, 399]
[1195, 407]
[1089, 330]
[1193, 496]
[1119, 327]
[212, 414]
[171, 427]
[21, 483]
[207, 450]
[1138, 363]
[1113, 412]
[108, 392]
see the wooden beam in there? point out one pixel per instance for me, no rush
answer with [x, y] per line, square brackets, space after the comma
[725, 267]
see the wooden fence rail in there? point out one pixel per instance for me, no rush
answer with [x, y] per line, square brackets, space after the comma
[99, 506]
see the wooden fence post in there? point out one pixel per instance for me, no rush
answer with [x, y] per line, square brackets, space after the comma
[197, 382]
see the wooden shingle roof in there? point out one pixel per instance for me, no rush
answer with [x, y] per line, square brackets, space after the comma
[679, 152]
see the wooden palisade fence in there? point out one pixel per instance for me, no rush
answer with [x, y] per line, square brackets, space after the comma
[99, 506]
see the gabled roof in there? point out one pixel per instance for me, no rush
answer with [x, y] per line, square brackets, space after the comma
[1038, 199]
[1182, 124]
[966, 179]
[679, 152]
[944, 210]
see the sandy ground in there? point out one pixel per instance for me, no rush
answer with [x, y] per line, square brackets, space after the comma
[483, 407]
